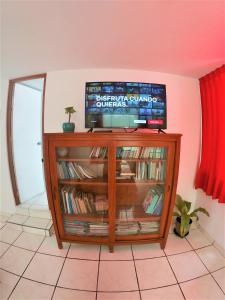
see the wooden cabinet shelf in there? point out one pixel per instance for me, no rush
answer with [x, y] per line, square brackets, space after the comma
[98, 181]
[101, 206]
[87, 218]
[139, 159]
[89, 160]
[137, 181]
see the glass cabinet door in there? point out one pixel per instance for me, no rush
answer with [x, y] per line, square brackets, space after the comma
[83, 189]
[140, 189]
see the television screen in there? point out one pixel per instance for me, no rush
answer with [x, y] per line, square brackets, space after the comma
[125, 105]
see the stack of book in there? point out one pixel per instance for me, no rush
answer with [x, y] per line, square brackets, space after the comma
[76, 227]
[146, 227]
[125, 169]
[86, 228]
[70, 170]
[152, 170]
[153, 201]
[127, 228]
[98, 152]
[80, 203]
[99, 229]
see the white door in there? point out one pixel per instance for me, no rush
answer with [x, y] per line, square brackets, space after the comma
[27, 140]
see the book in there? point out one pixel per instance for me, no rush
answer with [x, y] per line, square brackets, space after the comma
[153, 201]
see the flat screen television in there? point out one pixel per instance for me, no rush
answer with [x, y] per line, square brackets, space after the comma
[125, 105]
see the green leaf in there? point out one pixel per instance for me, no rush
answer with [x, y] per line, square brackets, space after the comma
[70, 110]
[188, 205]
[179, 203]
[200, 209]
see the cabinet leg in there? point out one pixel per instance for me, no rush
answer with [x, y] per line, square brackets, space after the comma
[163, 244]
[60, 245]
[111, 250]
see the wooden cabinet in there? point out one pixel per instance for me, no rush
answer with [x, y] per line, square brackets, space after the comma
[111, 188]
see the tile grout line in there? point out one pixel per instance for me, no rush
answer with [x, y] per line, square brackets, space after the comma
[92, 260]
[206, 268]
[60, 272]
[174, 274]
[10, 245]
[99, 257]
[136, 272]
[21, 276]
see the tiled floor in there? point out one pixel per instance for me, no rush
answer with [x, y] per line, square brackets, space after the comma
[32, 267]
[35, 207]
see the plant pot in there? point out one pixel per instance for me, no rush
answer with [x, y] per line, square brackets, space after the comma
[177, 227]
[68, 127]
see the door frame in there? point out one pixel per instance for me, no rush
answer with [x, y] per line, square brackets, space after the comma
[9, 119]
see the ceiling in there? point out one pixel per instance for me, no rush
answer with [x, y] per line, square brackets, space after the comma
[185, 37]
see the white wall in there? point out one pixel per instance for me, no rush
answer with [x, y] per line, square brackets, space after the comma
[215, 224]
[7, 202]
[65, 88]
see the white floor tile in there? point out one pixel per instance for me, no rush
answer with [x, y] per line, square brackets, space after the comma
[172, 292]
[84, 251]
[27, 290]
[7, 283]
[64, 294]
[203, 288]
[79, 274]
[13, 226]
[211, 257]
[9, 235]
[220, 278]
[155, 272]
[29, 241]
[176, 245]
[33, 230]
[120, 253]
[49, 246]
[187, 266]
[17, 219]
[147, 251]
[118, 296]
[3, 248]
[40, 211]
[16, 260]
[44, 268]
[117, 276]
[4, 218]
[197, 239]
[37, 222]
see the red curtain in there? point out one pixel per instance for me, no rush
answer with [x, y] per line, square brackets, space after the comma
[210, 176]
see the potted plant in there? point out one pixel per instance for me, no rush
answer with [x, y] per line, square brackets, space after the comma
[69, 126]
[183, 214]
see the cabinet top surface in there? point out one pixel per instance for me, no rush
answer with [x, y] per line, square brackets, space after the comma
[114, 136]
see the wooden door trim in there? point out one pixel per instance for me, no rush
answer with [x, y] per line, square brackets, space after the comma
[9, 115]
